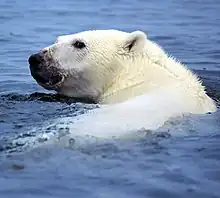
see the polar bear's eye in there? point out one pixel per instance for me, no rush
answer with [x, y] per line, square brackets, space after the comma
[79, 44]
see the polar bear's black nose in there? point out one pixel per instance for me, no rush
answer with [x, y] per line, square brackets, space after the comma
[35, 60]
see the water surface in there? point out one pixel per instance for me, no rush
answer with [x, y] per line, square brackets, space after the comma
[181, 160]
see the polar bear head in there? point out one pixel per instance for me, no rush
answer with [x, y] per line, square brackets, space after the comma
[82, 65]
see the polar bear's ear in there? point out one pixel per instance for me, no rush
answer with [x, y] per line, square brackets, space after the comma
[135, 41]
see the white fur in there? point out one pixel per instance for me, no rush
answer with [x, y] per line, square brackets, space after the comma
[144, 86]
[149, 111]
[107, 71]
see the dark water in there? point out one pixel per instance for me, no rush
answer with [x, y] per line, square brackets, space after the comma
[161, 165]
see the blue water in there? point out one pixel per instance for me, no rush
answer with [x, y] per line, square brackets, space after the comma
[154, 166]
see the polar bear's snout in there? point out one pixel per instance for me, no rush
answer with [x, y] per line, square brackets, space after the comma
[36, 61]
[45, 71]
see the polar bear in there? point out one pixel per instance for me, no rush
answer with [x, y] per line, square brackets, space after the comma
[112, 66]
[126, 73]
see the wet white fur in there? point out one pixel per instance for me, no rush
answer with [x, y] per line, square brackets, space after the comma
[141, 87]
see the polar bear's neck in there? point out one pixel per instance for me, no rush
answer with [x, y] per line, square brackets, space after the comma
[158, 72]
[150, 74]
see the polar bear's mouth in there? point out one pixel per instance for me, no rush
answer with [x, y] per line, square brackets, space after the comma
[52, 82]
